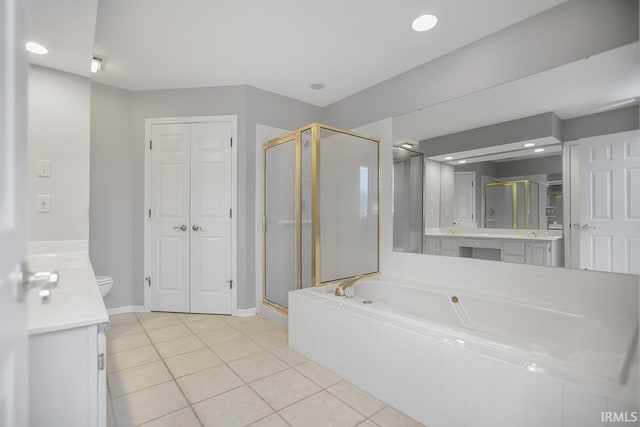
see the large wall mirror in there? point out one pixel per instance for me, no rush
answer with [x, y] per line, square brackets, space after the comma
[543, 170]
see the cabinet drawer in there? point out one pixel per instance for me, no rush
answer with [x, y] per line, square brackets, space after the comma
[478, 243]
[513, 248]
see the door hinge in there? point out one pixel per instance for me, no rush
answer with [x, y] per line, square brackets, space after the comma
[230, 282]
[231, 141]
[150, 145]
[149, 213]
[148, 279]
[230, 213]
[101, 362]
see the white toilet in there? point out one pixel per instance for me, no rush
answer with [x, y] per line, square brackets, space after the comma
[104, 283]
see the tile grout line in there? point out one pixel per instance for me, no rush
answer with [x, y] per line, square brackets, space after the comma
[244, 382]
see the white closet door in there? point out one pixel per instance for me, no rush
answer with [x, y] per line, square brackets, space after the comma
[169, 246]
[610, 202]
[464, 198]
[211, 218]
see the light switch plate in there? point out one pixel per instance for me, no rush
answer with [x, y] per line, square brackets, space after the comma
[43, 203]
[44, 168]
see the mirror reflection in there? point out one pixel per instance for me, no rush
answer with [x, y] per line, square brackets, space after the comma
[544, 170]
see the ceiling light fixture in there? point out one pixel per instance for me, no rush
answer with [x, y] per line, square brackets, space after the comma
[96, 65]
[538, 150]
[36, 48]
[406, 145]
[316, 86]
[424, 23]
[529, 144]
[462, 161]
[448, 158]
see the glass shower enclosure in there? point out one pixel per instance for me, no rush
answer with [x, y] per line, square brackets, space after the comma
[321, 203]
[512, 204]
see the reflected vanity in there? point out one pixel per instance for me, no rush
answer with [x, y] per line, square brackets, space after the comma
[503, 175]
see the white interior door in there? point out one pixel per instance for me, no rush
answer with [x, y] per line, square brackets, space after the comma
[169, 201]
[464, 197]
[610, 202]
[211, 217]
[13, 214]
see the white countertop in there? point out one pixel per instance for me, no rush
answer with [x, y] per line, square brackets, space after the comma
[495, 233]
[76, 301]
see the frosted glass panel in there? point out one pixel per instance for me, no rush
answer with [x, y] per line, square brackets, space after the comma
[280, 168]
[499, 206]
[348, 189]
[407, 200]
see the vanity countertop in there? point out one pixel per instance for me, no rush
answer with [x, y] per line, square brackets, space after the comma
[495, 233]
[76, 301]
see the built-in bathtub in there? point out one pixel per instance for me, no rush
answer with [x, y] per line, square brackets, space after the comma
[454, 357]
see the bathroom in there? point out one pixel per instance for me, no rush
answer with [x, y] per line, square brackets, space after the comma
[496, 290]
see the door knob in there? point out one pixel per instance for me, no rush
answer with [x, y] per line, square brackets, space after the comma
[196, 227]
[27, 280]
[588, 227]
[181, 228]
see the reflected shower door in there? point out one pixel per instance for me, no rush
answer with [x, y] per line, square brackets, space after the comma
[279, 222]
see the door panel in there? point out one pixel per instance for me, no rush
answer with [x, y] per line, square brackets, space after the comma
[13, 213]
[170, 211]
[464, 198]
[609, 221]
[211, 217]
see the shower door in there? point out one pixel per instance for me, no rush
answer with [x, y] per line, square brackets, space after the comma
[280, 222]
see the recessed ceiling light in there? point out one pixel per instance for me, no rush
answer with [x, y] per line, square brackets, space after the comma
[529, 144]
[448, 158]
[424, 23]
[316, 86]
[36, 48]
[538, 150]
[96, 65]
[406, 145]
[462, 161]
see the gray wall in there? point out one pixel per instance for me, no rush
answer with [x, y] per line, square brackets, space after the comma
[58, 116]
[542, 165]
[563, 34]
[112, 169]
[620, 120]
[118, 144]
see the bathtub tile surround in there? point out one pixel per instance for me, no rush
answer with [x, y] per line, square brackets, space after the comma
[168, 369]
[445, 376]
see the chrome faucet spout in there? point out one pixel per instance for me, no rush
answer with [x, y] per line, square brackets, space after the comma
[341, 288]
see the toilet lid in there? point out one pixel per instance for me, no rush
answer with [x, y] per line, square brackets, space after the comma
[104, 280]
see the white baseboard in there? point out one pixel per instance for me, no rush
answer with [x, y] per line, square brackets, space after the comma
[246, 312]
[274, 315]
[126, 309]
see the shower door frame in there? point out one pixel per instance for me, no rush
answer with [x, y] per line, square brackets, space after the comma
[296, 136]
[514, 201]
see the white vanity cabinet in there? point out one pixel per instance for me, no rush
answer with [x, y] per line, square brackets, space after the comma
[67, 377]
[515, 249]
[67, 344]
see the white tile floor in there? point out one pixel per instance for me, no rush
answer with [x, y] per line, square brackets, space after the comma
[183, 370]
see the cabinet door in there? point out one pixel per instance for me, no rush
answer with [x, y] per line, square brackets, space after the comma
[432, 246]
[449, 247]
[537, 253]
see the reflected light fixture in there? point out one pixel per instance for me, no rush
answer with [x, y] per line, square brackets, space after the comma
[538, 150]
[462, 161]
[424, 23]
[316, 86]
[529, 144]
[36, 48]
[96, 65]
[448, 158]
[406, 145]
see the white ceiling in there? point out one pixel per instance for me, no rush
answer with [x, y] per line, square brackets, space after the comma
[579, 88]
[66, 28]
[284, 45]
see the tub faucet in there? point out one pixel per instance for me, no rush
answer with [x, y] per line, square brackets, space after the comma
[340, 289]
